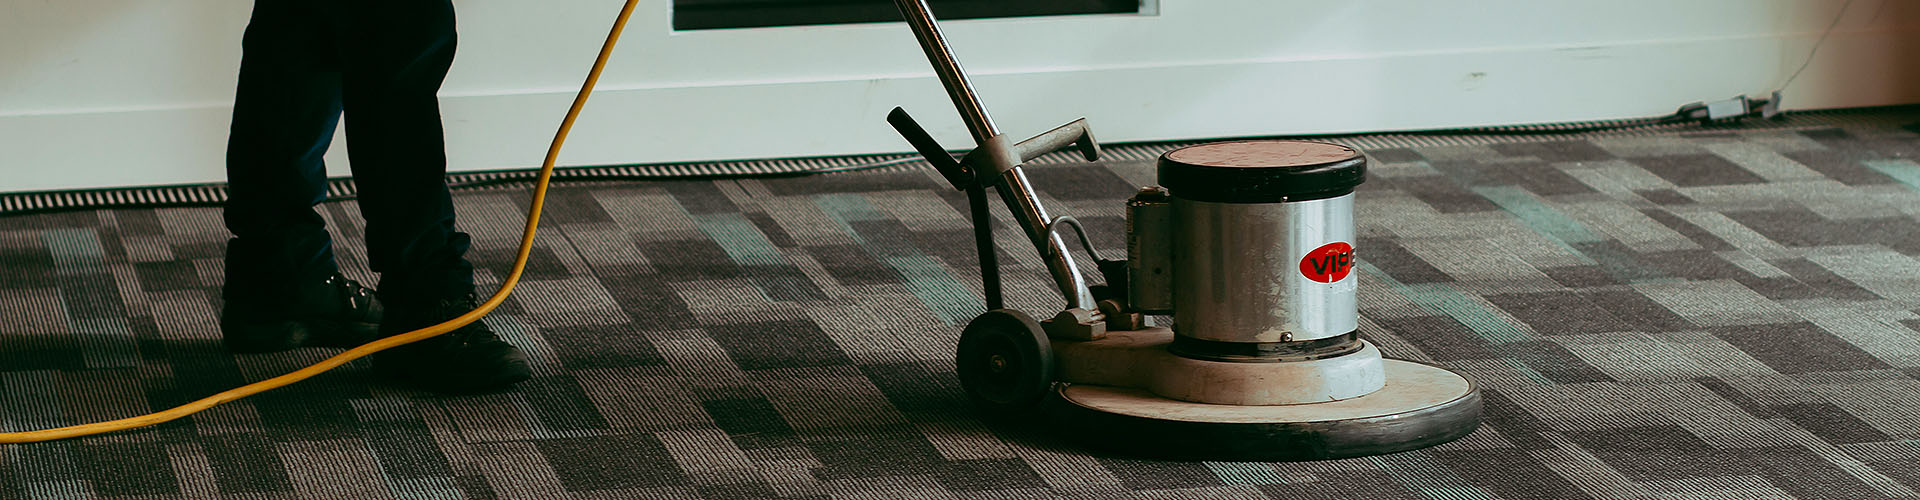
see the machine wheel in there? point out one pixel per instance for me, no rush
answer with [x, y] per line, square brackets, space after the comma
[1005, 361]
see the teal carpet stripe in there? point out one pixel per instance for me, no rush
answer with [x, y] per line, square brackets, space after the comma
[1901, 170]
[75, 251]
[1443, 299]
[928, 280]
[1537, 215]
[743, 242]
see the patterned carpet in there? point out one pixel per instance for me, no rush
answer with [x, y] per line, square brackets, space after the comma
[1724, 313]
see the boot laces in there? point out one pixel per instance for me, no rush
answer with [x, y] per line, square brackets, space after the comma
[359, 299]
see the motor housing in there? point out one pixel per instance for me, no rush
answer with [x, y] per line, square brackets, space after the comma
[1259, 247]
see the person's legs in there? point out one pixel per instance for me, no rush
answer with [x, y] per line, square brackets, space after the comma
[282, 287]
[398, 53]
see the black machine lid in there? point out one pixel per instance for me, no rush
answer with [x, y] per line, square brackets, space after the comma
[1262, 171]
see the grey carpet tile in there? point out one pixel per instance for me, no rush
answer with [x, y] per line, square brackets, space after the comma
[1674, 315]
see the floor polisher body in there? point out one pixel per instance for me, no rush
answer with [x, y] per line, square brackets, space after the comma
[1248, 245]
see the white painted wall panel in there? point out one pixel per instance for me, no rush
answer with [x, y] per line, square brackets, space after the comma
[136, 92]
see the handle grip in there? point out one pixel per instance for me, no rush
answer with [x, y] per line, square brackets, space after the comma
[1075, 133]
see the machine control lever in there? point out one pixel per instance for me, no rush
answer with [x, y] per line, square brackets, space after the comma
[957, 174]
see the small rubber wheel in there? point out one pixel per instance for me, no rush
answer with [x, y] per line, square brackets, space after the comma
[1005, 362]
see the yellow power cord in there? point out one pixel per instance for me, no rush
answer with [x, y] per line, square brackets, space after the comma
[519, 264]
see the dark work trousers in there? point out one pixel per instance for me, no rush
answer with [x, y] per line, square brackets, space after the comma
[304, 62]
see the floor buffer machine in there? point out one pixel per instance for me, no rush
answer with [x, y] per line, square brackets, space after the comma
[1248, 245]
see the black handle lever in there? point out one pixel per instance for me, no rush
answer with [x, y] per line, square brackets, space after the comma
[956, 174]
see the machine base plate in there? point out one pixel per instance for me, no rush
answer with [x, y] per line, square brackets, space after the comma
[1420, 406]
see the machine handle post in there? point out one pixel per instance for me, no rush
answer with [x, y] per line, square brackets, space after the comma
[920, 18]
[1015, 189]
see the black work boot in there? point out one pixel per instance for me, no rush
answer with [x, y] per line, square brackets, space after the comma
[467, 360]
[336, 312]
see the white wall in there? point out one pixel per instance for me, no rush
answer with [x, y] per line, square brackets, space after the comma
[136, 92]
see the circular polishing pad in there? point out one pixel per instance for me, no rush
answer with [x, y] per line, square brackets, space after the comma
[1420, 406]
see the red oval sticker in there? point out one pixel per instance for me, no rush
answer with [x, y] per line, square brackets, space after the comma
[1329, 263]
